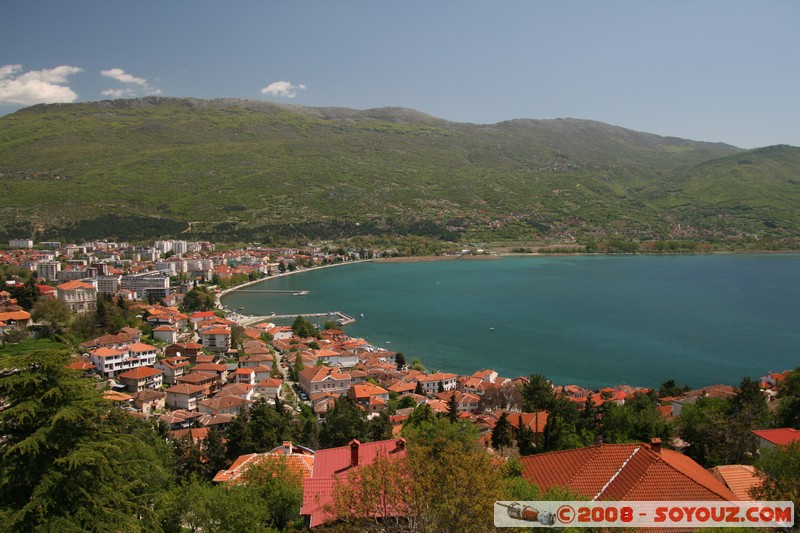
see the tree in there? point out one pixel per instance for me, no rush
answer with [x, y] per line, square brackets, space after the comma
[779, 470]
[452, 408]
[302, 327]
[345, 422]
[279, 487]
[400, 360]
[538, 394]
[69, 460]
[26, 294]
[526, 439]
[418, 389]
[199, 299]
[788, 415]
[502, 436]
[379, 427]
[54, 313]
[669, 388]
[239, 439]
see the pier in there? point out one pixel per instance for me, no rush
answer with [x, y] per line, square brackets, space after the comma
[276, 291]
[342, 319]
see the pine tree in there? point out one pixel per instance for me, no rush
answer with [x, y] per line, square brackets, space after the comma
[452, 408]
[502, 436]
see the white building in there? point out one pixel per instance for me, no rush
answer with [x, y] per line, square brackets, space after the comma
[48, 270]
[111, 362]
[20, 243]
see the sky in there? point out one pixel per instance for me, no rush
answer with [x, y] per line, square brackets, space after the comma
[708, 70]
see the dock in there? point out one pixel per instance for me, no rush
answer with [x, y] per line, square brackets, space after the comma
[276, 291]
[342, 319]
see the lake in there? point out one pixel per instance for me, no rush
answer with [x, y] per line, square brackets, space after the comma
[589, 320]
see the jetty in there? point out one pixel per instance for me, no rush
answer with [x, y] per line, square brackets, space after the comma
[276, 291]
[342, 319]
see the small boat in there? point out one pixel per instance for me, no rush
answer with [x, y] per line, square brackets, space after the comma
[362, 315]
[491, 329]
[240, 308]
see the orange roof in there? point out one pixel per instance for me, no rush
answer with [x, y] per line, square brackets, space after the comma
[81, 364]
[107, 352]
[116, 396]
[186, 388]
[739, 478]
[141, 347]
[15, 315]
[216, 331]
[625, 472]
[140, 373]
[74, 284]
[365, 390]
[301, 460]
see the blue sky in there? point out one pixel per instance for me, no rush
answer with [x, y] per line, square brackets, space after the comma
[726, 71]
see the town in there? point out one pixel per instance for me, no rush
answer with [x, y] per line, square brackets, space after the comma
[146, 326]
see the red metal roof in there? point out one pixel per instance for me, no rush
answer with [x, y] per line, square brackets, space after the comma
[780, 436]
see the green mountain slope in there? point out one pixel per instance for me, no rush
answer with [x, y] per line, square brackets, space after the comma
[257, 170]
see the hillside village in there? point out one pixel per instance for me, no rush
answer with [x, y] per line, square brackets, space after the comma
[198, 371]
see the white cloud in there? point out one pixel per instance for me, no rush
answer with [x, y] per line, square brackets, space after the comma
[283, 88]
[135, 86]
[36, 86]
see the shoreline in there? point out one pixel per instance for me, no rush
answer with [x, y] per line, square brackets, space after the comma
[282, 274]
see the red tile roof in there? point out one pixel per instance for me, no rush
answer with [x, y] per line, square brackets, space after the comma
[625, 472]
[140, 373]
[74, 284]
[739, 478]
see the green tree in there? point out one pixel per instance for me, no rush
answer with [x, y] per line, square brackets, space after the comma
[199, 299]
[418, 389]
[779, 470]
[343, 423]
[669, 388]
[537, 394]
[302, 327]
[53, 313]
[452, 408]
[238, 437]
[278, 487]
[69, 460]
[26, 294]
[788, 415]
[400, 360]
[502, 435]
[379, 427]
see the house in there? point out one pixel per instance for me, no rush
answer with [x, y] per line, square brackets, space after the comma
[141, 378]
[363, 394]
[80, 297]
[15, 318]
[229, 404]
[245, 375]
[432, 383]
[185, 349]
[323, 378]
[148, 401]
[242, 390]
[329, 357]
[207, 380]
[297, 458]
[173, 368]
[336, 463]
[165, 333]
[467, 403]
[270, 388]
[111, 362]
[625, 472]
[769, 438]
[180, 419]
[185, 396]
[219, 370]
[216, 339]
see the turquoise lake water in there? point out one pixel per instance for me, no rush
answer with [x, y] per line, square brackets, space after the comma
[588, 320]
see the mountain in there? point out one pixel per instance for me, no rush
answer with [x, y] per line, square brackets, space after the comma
[252, 170]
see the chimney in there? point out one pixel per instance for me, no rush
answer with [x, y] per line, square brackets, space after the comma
[354, 444]
[287, 447]
[400, 444]
[655, 444]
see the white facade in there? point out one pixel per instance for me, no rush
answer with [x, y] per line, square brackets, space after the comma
[111, 362]
[20, 243]
[48, 270]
